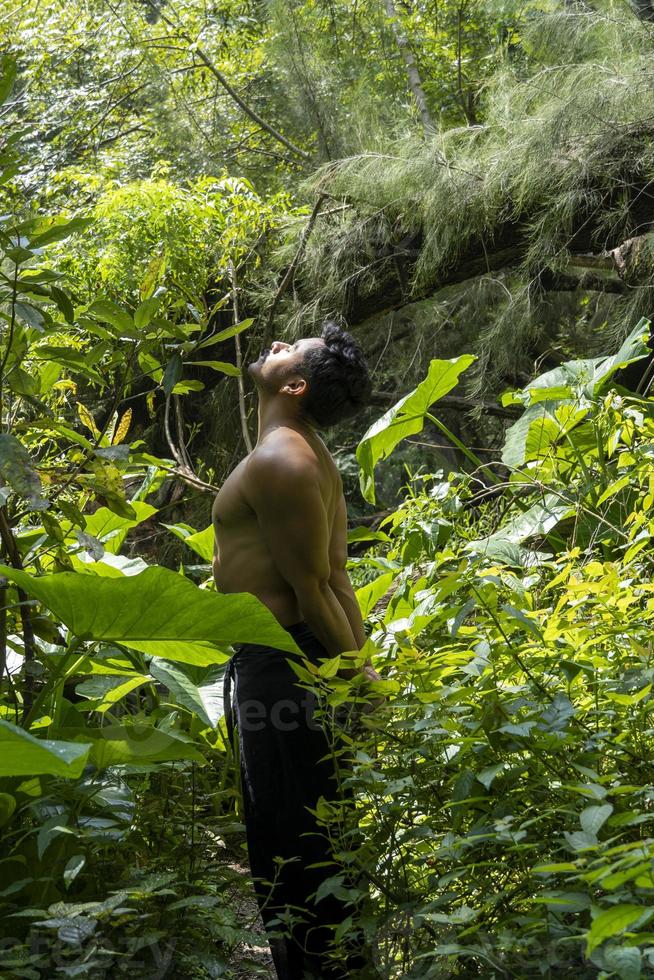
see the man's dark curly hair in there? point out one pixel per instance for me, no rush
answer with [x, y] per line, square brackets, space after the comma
[338, 383]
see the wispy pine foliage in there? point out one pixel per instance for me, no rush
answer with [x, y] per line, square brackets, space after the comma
[562, 166]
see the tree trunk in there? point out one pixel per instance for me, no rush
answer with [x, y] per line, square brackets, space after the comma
[415, 83]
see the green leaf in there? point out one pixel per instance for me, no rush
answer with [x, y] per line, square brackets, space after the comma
[59, 228]
[183, 387]
[31, 315]
[23, 383]
[366, 534]
[612, 921]
[73, 867]
[369, 595]
[153, 274]
[227, 333]
[17, 471]
[541, 425]
[547, 417]
[223, 366]
[115, 745]
[146, 311]
[625, 962]
[172, 373]
[406, 418]
[205, 699]
[21, 754]
[201, 542]
[593, 817]
[108, 312]
[157, 612]
[111, 529]
[7, 807]
[7, 77]
[106, 691]
[539, 519]
[63, 303]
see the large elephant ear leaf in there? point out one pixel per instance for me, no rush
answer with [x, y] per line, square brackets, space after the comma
[156, 612]
[201, 695]
[21, 754]
[557, 401]
[406, 418]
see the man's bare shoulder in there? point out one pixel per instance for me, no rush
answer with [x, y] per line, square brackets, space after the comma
[282, 459]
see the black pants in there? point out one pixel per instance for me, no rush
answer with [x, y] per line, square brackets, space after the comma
[287, 764]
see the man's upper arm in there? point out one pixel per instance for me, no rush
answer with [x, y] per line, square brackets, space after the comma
[285, 496]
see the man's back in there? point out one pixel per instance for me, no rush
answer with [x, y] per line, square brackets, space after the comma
[246, 560]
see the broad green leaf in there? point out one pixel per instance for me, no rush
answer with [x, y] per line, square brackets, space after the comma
[157, 612]
[105, 691]
[17, 471]
[223, 366]
[7, 807]
[63, 302]
[593, 818]
[109, 566]
[201, 542]
[405, 418]
[624, 961]
[172, 373]
[21, 754]
[73, 867]
[539, 519]
[629, 699]
[227, 333]
[366, 534]
[111, 529]
[57, 229]
[31, 315]
[369, 595]
[547, 418]
[49, 831]
[204, 698]
[22, 383]
[115, 745]
[109, 312]
[146, 311]
[183, 387]
[7, 76]
[153, 274]
[613, 489]
[541, 425]
[613, 921]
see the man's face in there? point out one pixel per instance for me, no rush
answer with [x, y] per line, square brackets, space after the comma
[281, 362]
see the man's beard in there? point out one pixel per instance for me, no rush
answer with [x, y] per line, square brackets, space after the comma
[254, 366]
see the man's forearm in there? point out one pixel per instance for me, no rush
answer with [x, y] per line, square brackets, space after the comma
[342, 589]
[325, 615]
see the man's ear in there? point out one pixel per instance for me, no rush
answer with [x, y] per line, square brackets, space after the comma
[295, 387]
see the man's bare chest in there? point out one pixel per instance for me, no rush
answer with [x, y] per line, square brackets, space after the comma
[230, 507]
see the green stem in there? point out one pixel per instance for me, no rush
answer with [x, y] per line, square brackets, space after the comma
[68, 663]
[468, 453]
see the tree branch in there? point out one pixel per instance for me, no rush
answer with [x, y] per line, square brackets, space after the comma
[239, 363]
[218, 75]
[290, 272]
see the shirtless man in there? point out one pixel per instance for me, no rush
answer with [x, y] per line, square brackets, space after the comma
[281, 534]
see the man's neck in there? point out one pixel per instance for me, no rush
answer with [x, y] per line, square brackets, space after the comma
[272, 416]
